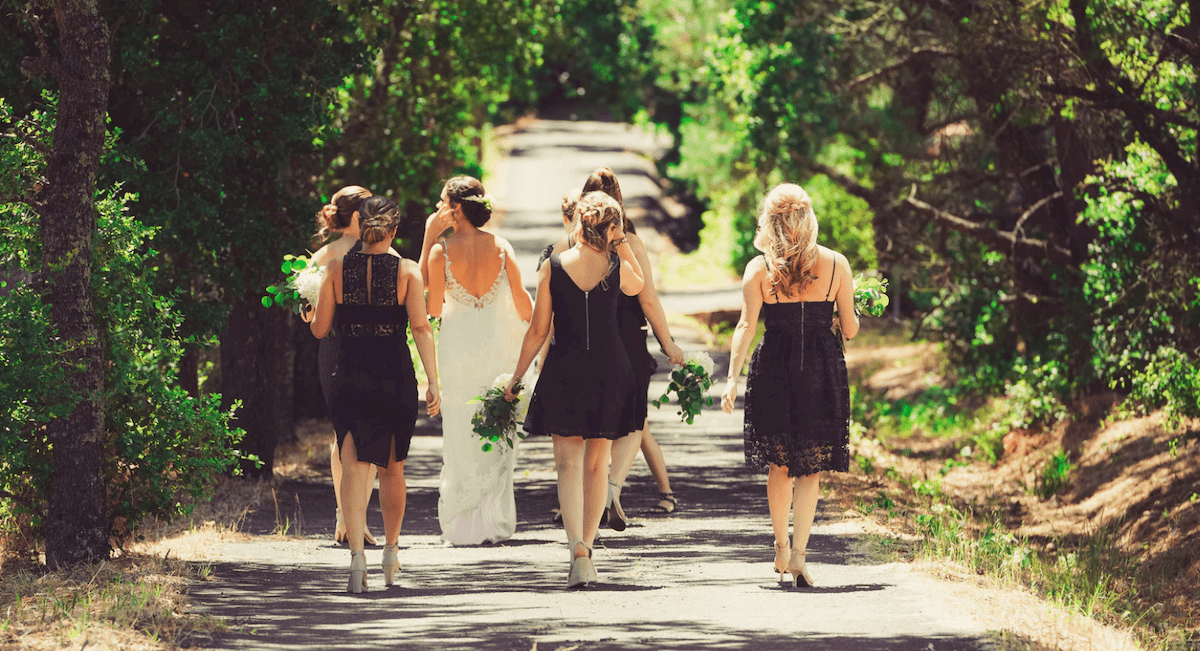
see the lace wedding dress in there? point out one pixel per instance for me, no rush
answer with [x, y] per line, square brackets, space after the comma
[480, 339]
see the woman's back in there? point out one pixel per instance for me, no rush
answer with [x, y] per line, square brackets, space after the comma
[823, 288]
[475, 261]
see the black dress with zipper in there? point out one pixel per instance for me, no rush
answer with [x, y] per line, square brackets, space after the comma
[586, 387]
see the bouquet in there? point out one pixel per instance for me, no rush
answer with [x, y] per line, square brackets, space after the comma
[301, 287]
[689, 382]
[870, 295]
[496, 419]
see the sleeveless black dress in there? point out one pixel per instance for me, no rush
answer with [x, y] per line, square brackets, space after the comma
[586, 387]
[327, 353]
[797, 403]
[631, 324]
[374, 388]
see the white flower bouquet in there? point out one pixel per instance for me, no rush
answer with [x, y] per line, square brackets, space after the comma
[301, 287]
[689, 382]
[497, 419]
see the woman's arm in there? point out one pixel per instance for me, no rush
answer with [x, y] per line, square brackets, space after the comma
[414, 302]
[435, 279]
[322, 321]
[845, 296]
[752, 300]
[435, 225]
[521, 295]
[539, 328]
[632, 280]
[651, 306]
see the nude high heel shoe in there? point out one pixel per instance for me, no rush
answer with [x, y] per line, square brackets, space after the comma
[616, 515]
[391, 564]
[339, 527]
[358, 573]
[796, 567]
[782, 558]
[583, 571]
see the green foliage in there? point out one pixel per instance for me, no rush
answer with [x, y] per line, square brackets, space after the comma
[870, 295]
[300, 277]
[689, 382]
[495, 419]
[160, 443]
[1055, 475]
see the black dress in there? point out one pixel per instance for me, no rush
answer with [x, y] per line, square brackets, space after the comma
[586, 387]
[374, 388]
[327, 354]
[797, 393]
[631, 324]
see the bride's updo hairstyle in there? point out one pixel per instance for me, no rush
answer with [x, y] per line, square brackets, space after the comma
[605, 180]
[336, 215]
[787, 236]
[468, 192]
[377, 219]
[594, 214]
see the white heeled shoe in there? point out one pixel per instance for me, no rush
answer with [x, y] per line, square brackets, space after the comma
[583, 572]
[391, 564]
[358, 573]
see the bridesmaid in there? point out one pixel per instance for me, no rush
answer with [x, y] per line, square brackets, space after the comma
[370, 295]
[585, 397]
[797, 407]
[338, 218]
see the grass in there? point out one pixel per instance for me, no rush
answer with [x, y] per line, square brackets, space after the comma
[1090, 574]
[135, 600]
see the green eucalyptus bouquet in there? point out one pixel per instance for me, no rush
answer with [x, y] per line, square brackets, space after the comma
[689, 382]
[300, 287]
[870, 295]
[496, 419]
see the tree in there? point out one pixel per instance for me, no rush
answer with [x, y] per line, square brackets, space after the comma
[76, 528]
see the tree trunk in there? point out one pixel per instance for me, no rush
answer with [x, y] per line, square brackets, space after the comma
[76, 522]
[256, 368]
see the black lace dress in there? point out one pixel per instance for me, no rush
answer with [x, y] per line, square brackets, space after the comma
[327, 354]
[374, 388]
[586, 387]
[797, 402]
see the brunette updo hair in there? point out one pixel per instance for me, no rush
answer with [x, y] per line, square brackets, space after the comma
[787, 236]
[461, 187]
[337, 214]
[595, 213]
[605, 180]
[377, 219]
[568, 203]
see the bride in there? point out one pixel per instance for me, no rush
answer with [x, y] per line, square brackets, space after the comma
[475, 286]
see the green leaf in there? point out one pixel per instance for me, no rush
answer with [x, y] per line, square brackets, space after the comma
[298, 265]
[267, 302]
[286, 267]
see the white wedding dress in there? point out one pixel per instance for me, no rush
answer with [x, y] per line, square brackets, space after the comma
[480, 339]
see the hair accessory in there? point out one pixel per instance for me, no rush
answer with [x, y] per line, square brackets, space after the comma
[485, 199]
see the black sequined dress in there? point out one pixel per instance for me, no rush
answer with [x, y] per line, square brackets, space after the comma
[374, 388]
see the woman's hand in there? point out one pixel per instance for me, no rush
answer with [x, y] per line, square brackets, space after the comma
[509, 393]
[730, 395]
[674, 353]
[439, 221]
[433, 402]
[308, 313]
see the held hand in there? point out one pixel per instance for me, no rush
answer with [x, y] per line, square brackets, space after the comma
[307, 313]
[433, 402]
[509, 393]
[674, 353]
[727, 398]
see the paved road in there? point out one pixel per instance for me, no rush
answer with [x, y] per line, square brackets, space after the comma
[699, 579]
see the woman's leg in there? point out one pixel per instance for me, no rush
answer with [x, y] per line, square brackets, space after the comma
[624, 451]
[654, 459]
[568, 462]
[393, 497]
[779, 502]
[354, 503]
[804, 500]
[596, 454]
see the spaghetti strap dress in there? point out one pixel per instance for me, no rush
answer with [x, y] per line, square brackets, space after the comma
[587, 386]
[797, 404]
[374, 388]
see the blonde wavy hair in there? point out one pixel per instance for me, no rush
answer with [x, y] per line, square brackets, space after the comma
[787, 236]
